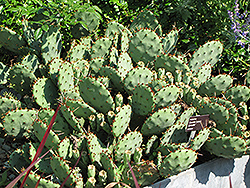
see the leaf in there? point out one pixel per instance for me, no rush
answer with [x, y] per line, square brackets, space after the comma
[46, 13]
[38, 33]
[45, 27]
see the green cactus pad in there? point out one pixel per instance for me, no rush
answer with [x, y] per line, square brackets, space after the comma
[208, 53]
[7, 104]
[79, 51]
[60, 125]
[129, 141]
[45, 93]
[158, 122]
[54, 67]
[18, 123]
[170, 41]
[80, 108]
[121, 121]
[157, 84]
[66, 81]
[177, 108]
[185, 116]
[216, 85]
[95, 94]
[114, 28]
[40, 128]
[61, 170]
[231, 126]
[146, 19]
[177, 161]
[70, 118]
[243, 110]
[114, 75]
[96, 63]
[33, 178]
[124, 64]
[101, 48]
[51, 45]
[95, 147]
[145, 46]
[167, 148]
[142, 100]
[110, 167]
[65, 149]
[200, 139]
[12, 41]
[21, 79]
[137, 76]
[81, 68]
[113, 54]
[204, 73]
[149, 146]
[89, 16]
[189, 94]
[226, 146]
[176, 133]
[217, 112]
[31, 62]
[237, 94]
[171, 64]
[125, 36]
[166, 96]
[119, 100]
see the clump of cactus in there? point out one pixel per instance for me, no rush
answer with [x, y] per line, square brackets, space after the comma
[124, 98]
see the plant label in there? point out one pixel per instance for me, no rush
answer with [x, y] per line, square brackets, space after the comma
[197, 122]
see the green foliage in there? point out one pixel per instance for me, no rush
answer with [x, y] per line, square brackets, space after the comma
[125, 97]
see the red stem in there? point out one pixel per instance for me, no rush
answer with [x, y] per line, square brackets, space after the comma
[40, 148]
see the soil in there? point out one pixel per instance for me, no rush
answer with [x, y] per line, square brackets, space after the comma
[6, 148]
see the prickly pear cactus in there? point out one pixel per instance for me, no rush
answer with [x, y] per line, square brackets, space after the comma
[125, 98]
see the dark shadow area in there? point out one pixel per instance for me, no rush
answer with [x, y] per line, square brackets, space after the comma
[247, 174]
[219, 167]
[161, 184]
